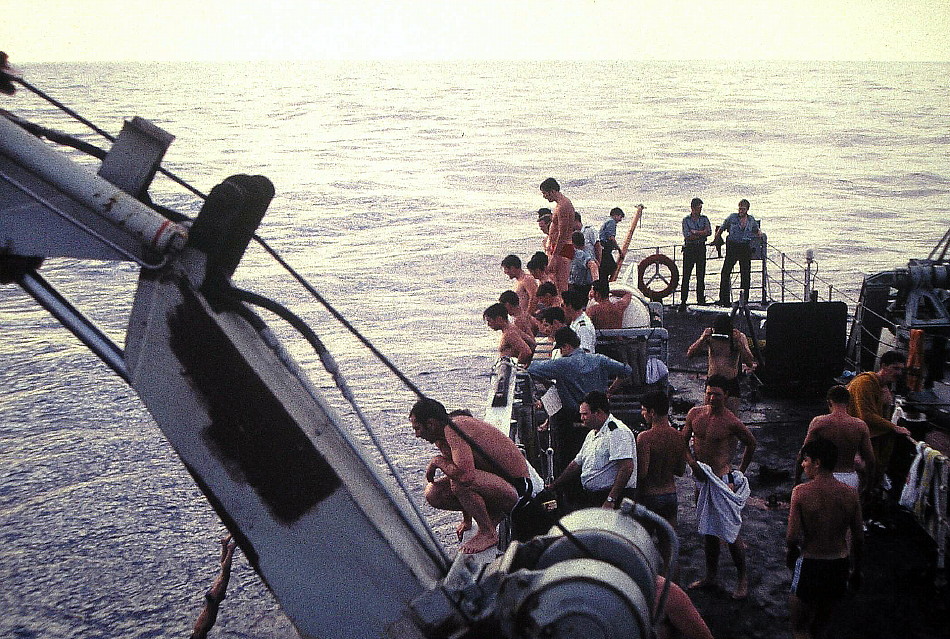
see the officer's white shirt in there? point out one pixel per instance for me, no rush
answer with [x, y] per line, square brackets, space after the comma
[602, 451]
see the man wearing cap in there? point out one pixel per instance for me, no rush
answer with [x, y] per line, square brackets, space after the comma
[576, 373]
[741, 227]
[696, 229]
[607, 460]
[608, 244]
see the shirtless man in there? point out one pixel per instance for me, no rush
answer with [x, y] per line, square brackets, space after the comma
[538, 268]
[524, 322]
[512, 344]
[559, 246]
[484, 479]
[680, 620]
[726, 347]
[548, 297]
[605, 313]
[544, 223]
[715, 432]
[822, 513]
[849, 434]
[525, 285]
[661, 454]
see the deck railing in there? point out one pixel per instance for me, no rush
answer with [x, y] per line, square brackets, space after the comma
[793, 281]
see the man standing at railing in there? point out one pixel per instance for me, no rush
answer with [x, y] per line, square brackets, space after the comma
[560, 250]
[608, 244]
[742, 227]
[696, 229]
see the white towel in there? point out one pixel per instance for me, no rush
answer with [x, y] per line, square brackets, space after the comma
[911, 490]
[719, 509]
[537, 484]
[656, 370]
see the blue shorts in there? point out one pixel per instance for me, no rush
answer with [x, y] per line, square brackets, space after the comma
[662, 505]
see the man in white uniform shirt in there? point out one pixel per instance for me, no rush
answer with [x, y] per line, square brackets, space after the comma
[607, 461]
[574, 304]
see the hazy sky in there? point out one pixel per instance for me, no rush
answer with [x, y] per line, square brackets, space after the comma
[74, 30]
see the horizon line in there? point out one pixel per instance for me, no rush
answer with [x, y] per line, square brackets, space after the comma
[17, 63]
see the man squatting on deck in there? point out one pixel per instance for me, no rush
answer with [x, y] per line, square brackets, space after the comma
[715, 432]
[822, 514]
[485, 474]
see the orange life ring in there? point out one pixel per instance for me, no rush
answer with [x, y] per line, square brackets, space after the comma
[657, 260]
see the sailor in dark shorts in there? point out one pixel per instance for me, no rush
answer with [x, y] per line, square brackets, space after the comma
[661, 455]
[822, 513]
[815, 581]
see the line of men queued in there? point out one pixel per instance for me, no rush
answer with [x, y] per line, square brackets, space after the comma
[825, 531]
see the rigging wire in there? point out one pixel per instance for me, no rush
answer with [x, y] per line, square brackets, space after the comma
[111, 138]
[329, 363]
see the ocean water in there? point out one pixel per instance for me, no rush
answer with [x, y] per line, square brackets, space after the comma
[400, 187]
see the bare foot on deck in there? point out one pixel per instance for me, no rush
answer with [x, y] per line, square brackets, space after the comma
[702, 584]
[482, 540]
[742, 589]
[464, 525]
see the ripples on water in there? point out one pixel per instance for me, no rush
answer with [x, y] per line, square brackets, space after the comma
[399, 190]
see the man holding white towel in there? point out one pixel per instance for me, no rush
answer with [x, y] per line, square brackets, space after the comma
[714, 432]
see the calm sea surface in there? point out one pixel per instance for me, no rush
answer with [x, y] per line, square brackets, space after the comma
[399, 189]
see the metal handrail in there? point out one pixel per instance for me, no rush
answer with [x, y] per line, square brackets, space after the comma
[787, 267]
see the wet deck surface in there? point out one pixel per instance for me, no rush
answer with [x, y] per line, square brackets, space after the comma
[898, 598]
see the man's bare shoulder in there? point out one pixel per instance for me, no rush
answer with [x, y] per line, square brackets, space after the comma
[817, 425]
[697, 411]
[665, 437]
[471, 425]
[825, 423]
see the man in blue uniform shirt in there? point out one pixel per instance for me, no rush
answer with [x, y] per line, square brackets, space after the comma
[576, 373]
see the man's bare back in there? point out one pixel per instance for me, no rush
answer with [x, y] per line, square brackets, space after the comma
[513, 344]
[822, 512]
[527, 290]
[849, 434]
[502, 450]
[661, 455]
